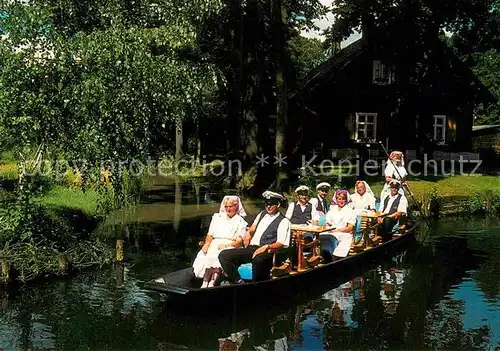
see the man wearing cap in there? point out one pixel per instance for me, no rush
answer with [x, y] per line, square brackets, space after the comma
[269, 231]
[302, 211]
[394, 205]
[319, 202]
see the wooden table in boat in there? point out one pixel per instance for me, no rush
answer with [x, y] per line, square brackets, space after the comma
[298, 231]
[372, 216]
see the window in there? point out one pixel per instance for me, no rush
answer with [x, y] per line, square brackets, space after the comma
[440, 129]
[366, 127]
[382, 74]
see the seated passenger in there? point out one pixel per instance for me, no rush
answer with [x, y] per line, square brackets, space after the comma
[302, 211]
[394, 205]
[226, 231]
[270, 230]
[319, 202]
[363, 197]
[343, 218]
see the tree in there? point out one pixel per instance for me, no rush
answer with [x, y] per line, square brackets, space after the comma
[305, 54]
[104, 80]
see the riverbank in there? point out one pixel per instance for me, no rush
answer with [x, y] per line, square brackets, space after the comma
[437, 196]
[46, 228]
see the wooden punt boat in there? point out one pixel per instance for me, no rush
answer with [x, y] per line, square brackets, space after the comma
[183, 288]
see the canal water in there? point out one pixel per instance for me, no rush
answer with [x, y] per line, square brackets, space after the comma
[444, 294]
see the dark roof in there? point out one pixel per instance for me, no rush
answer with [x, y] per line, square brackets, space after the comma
[329, 68]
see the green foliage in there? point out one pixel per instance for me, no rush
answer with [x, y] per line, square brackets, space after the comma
[124, 191]
[487, 69]
[487, 202]
[430, 202]
[99, 87]
[305, 54]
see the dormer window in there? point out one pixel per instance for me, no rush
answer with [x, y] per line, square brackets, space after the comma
[382, 74]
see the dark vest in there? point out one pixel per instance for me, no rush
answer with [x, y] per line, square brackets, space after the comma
[323, 205]
[299, 217]
[395, 204]
[270, 234]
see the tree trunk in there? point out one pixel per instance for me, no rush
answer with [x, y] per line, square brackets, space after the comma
[280, 59]
[254, 127]
[234, 107]
[177, 205]
[179, 154]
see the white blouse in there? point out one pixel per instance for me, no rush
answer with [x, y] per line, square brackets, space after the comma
[224, 227]
[390, 171]
[341, 217]
[359, 202]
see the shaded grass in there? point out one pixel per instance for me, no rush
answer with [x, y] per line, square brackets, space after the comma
[449, 186]
[446, 187]
[72, 199]
[8, 171]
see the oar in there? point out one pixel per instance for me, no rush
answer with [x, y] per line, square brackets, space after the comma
[407, 188]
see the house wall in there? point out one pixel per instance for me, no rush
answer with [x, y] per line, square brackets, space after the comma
[350, 89]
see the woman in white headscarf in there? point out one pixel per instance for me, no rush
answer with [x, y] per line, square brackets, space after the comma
[226, 231]
[342, 217]
[363, 197]
[394, 169]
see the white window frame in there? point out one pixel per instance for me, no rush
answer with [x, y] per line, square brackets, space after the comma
[361, 126]
[382, 74]
[439, 121]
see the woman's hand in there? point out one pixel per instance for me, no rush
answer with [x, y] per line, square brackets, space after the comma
[205, 248]
[260, 250]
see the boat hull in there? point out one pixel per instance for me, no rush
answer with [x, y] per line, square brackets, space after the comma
[180, 285]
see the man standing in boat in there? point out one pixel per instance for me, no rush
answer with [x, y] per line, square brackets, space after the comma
[269, 231]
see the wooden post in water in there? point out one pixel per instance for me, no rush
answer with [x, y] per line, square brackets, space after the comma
[5, 271]
[63, 263]
[119, 269]
[119, 250]
[120, 273]
[488, 202]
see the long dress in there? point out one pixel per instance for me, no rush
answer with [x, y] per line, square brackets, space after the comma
[224, 230]
[340, 218]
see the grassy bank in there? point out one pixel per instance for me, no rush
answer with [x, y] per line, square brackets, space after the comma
[46, 229]
[445, 195]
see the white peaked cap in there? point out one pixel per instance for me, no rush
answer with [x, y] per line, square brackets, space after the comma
[301, 187]
[272, 195]
[322, 184]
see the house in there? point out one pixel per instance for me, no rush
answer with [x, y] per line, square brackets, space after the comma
[357, 98]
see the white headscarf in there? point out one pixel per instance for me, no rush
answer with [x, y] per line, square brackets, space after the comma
[368, 189]
[239, 205]
[394, 158]
[341, 191]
